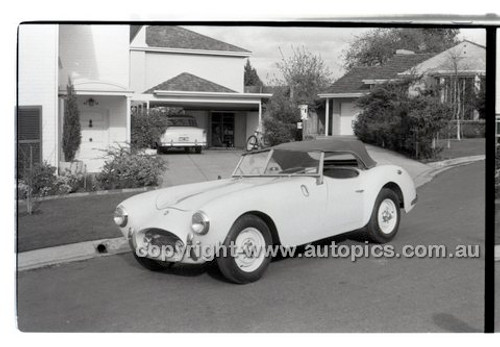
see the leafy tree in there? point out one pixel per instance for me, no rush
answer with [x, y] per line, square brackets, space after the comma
[72, 136]
[305, 74]
[251, 78]
[377, 46]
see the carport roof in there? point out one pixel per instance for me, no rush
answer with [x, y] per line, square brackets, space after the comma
[186, 82]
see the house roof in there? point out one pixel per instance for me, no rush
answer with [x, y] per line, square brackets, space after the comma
[169, 36]
[465, 57]
[187, 82]
[352, 82]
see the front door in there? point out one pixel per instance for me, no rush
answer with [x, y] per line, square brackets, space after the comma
[222, 128]
[94, 127]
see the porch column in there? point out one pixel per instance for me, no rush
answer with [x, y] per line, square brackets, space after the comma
[327, 116]
[129, 123]
[260, 115]
[147, 105]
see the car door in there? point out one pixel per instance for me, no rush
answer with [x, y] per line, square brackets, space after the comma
[345, 197]
[302, 221]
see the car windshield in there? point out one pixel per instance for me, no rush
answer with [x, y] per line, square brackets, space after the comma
[278, 162]
[181, 122]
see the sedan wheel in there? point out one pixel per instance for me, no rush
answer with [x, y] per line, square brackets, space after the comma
[386, 214]
[250, 236]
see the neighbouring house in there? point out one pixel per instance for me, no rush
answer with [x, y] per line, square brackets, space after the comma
[116, 67]
[173, 66]
[465, 63]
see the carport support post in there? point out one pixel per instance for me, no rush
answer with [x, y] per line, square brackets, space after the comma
[327, 116]
[260, 115]
[129, 123]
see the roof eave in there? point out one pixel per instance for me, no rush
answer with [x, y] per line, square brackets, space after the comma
[340, 95]
[240, 54]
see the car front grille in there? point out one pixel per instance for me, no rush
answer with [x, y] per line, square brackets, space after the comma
[158, 237]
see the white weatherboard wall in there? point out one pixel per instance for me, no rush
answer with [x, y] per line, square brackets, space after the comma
[151, 68]
[95, 53]
[252, 120]
[38, 76]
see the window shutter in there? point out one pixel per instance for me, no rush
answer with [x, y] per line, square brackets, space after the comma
[29, 136]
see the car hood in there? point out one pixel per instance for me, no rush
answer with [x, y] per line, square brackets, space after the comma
[192, 196]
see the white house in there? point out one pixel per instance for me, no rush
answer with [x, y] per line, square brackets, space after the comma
[467, 60]
[50, 55]
[115, 67]
[174, 66]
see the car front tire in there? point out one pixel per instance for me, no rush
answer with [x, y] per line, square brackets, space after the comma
[244, 267]
[385, 218]
[198, 149]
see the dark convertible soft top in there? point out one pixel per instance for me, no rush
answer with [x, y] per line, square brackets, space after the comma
[332, 145]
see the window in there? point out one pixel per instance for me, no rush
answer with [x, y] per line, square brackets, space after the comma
[29, 137]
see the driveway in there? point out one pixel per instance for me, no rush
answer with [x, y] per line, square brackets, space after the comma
[191, 168]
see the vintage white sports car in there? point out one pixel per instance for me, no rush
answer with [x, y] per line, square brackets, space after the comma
[288, 195]
[182, 132]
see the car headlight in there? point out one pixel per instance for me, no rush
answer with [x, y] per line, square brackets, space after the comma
[200, 223]
[120, 217]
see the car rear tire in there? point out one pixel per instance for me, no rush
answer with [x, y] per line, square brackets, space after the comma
[385, 218]
[245, 267]
[198, 149]
[151, 264]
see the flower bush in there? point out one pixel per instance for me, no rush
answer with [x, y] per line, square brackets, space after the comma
[126, 168]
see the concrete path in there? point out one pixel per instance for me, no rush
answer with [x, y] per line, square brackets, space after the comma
[190, 168]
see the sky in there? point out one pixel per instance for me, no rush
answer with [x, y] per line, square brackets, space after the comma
[265, 43]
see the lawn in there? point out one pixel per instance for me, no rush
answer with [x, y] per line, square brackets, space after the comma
[63, 221]
[463, 148]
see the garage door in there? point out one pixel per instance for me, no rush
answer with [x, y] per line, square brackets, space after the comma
[348, 114]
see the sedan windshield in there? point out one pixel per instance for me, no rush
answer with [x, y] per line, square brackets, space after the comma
[278, 162]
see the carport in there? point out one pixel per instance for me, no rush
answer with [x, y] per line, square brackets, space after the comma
[228, 117]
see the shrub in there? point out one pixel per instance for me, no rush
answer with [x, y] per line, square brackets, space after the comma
[72, 136]
[39, 180]
[127, 169]
[280, 123]
[277, 132]
[147, 127]
[392, 119]
[469, 128]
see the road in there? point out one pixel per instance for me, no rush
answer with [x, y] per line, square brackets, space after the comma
[295, 295]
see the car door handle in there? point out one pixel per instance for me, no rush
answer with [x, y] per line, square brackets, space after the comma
[359, 190]
[305, 191]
